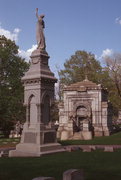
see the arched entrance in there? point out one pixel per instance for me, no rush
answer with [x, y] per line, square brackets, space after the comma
[82, 120]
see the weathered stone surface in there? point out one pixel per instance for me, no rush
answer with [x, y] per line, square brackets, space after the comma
[44, 178]
[69, 149]
[73, 174]
[1, 153]
[39, 135]
[64, 135]
[92, 147]
[86, 135]
[108, 149]
[86, 149]
[84, 111]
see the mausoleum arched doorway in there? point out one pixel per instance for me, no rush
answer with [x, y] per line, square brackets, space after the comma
[82, 119]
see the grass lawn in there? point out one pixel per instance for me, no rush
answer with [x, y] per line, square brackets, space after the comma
[96, 165]
[9, 142]
[109, 140]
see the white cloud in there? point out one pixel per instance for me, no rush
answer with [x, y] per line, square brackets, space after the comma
[14, 36]
[16, 30]
[10, 35]
[34, 46]
[118, 20]
[26, 54]
[106, 52]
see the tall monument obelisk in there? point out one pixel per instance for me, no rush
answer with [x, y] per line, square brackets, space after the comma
[39, 135]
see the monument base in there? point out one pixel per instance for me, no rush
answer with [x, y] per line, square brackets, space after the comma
[36, 142]
[32, 150]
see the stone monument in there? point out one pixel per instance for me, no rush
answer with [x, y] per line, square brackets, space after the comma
[39, 134]
[85, 112]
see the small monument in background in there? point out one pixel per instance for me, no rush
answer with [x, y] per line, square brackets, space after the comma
[39, 134]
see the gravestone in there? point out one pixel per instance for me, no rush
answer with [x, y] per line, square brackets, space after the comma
[73, 174]
[44, 178]
[39, 134]
[86, 149]
[108, 149]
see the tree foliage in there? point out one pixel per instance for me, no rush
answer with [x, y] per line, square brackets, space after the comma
[83, 63]
[79, 65]
[12, 68]
[113, 67]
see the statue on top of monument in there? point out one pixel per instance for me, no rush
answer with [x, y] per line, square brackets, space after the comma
[39, 31]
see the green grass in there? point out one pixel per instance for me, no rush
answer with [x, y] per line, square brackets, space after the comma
[96, 165]
[109, 140]
[8, 142]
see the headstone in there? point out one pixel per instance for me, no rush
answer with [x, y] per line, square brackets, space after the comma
[69, 149]
[93, 147]
[108, 149]
[86, 149]
[1, 153]
[73, 174]
[44, 178]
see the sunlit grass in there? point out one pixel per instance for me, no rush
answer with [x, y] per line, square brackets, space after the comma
[109, 140]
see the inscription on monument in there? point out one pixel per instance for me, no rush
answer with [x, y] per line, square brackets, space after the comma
[30, 137]
[49, 137]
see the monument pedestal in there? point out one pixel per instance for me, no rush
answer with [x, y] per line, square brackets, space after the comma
[39, 134]
[36, 143]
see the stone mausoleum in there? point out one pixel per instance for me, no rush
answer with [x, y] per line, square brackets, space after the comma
[85, 111]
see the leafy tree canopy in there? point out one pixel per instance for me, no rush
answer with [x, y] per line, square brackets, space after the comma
[83, 63]
[113, 67]
[79, 65]
[12, 68]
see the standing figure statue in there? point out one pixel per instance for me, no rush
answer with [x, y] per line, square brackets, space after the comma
[39, 31]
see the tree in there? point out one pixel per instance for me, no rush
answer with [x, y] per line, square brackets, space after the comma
[113, 67]
[83, 63]
[79, 65]
[12, 68]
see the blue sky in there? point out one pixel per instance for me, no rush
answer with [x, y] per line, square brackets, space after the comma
[91, 25]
